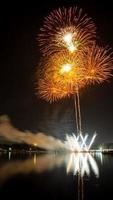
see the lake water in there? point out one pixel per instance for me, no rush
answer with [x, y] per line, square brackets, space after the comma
[56, 176]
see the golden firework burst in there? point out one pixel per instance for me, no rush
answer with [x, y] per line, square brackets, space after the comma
[66, 29]
[71, 58]
[64, 68]
[53, 91]
[98, 64]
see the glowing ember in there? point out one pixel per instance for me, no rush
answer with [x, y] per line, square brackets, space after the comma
[68, 38]
[66, 68]
[35, 144]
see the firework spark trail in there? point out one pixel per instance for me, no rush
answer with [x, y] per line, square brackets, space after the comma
[76, 113]
[79, 111]
[78, 143]
[91, 142]
[72, 143]
[84, 141]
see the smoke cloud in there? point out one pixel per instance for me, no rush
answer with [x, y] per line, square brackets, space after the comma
[10, 133]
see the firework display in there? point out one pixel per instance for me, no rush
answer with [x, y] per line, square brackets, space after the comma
[71, 58]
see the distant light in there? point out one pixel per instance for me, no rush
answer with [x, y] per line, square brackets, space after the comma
[35, 144]
[10, 149]
[100, 149]
[66, 68]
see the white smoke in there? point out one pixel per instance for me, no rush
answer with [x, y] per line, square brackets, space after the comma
[10, 133]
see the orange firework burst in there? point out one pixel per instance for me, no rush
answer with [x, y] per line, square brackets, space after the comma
[60, 76]
[66, 29]
[52, 91]
[63, 73]
[98, 64]
[65, 69]
[73, 60]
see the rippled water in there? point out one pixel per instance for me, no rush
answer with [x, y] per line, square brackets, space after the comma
[56, 176]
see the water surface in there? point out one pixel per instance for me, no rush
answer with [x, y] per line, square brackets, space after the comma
[56, 176]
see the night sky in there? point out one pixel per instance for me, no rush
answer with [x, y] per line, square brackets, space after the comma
[20, 57]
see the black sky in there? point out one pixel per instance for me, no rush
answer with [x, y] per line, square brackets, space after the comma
[19, 59]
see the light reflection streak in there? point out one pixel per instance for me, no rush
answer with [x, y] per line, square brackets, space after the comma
[82, 163]
[9, 155]
[76, 163]
[100, 157]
